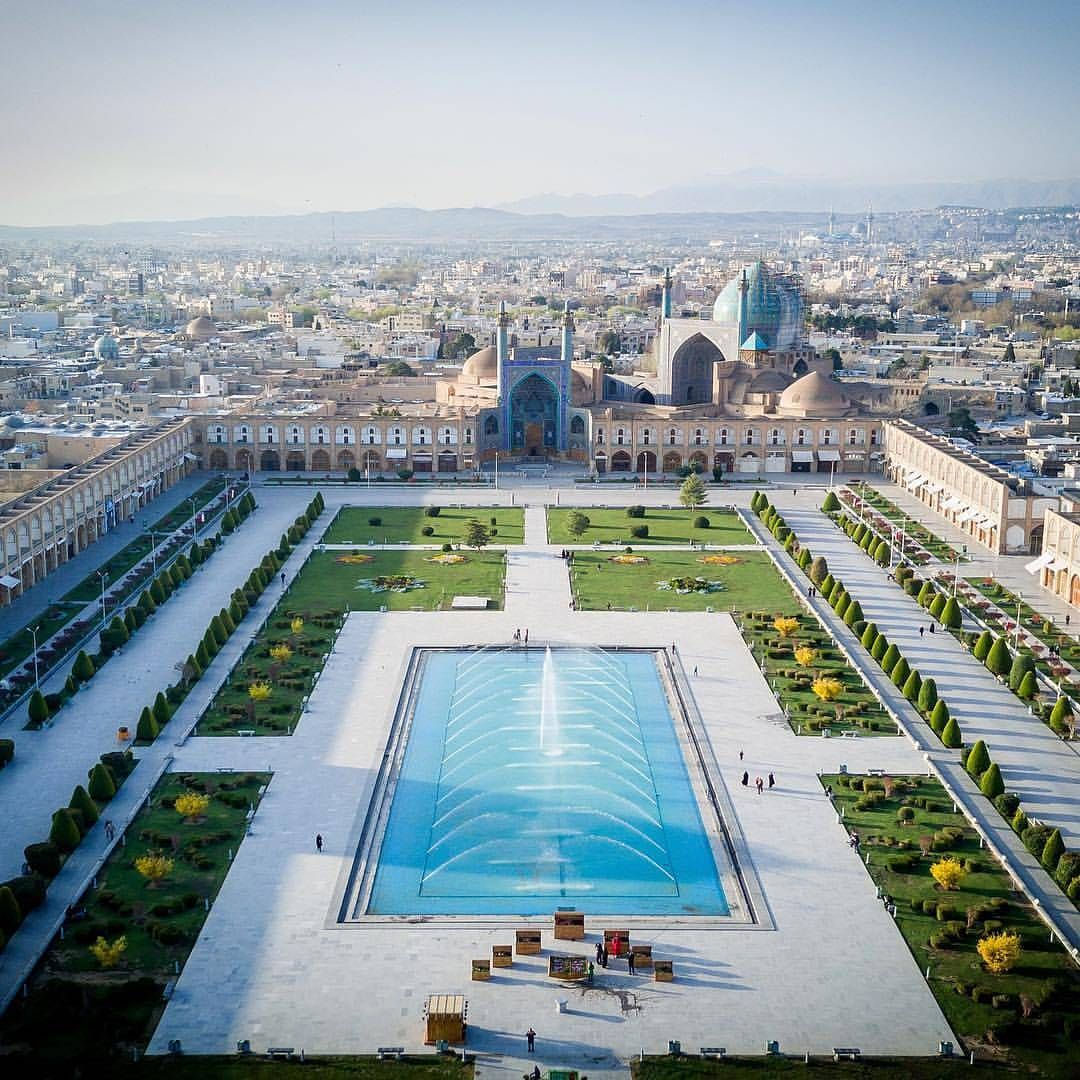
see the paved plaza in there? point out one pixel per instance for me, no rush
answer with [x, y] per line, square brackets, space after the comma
[824, 965]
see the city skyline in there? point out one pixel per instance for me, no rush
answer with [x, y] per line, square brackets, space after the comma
[248, 111]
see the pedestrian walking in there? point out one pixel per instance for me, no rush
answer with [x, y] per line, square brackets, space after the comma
[530, 1039]
[695, 671]
[600, 954]
[283, 579]
[745, 778]
[517, 637]
[318, 841]
[592, 972]
[526, 635]
[931, 628]
[603, 956]
[674, 649]
[740, 755]
[760, 785]
[630, 961]
[615, 946]
[772, 781]
[1066, 620]
[922, 630]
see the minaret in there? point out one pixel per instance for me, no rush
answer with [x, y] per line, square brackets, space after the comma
[501, 341]
[832, 222]
[870, 224]
[567, 336]
[665, 299]
[744, 288]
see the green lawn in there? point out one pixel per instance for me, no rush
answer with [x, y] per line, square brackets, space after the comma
[696, 1068]
[402, 524]
[854, 709]
[612, 526]
[327, 587]
[751, 583]
[1044, 975]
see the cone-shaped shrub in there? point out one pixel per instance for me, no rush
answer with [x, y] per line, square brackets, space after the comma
[235, 612]
[83, 668]
[982, 646]
[978, 759]
[870, 632]
[226, 621]
[868, 542]
[853, 614]
[952, 738]
[176, 576]
[999, 659]
[900, 672]
[147, 602]
[81, 801]
[161, 710]
[147, 729]
[1021, 665]
[835, 592]
[912, 686]
[1052, 850]
[43, 858]
[843, 602]
[990, 783]
[826, 586]
[928, 695]
[859, 535]
[831, 503]
[195, 555]
[217, 628]
[937, 605]
[202, 657]
[926, 593]
[1019, 821]
[1029, 686]
[939, 716]
[210, 643]
[890, 659]
[194, 671]
[950, 614]
[157, 592]
[37, 709]
[755, 501]
[879, 648]
[131, 621]
[10, 912]
[64, 832]
[101, 786]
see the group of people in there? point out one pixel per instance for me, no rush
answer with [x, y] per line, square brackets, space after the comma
[758, 783]
[519, 639]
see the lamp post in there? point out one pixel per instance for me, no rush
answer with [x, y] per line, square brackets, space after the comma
[194, 518]
[153, 548]
[1019, 601]
[103, 575]
[496, 469]
[34, 630]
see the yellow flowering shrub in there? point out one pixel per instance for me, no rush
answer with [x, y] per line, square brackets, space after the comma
[259, 691]
[805, 656]
[108, 953]
[827, 688]
[785, 625]
[280, 653]
[191, 804]
[296, 625]
[154, 866]
[999, 952]
[948, 873]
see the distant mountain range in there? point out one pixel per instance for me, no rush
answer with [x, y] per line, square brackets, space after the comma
[760, 190]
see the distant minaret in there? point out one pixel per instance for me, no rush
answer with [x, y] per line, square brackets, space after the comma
[744, 288]
[870, 224]
[501, 341]
[665, 299]
[567, 335]
[832, 222]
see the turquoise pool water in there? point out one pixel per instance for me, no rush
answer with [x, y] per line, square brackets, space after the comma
[539, 778]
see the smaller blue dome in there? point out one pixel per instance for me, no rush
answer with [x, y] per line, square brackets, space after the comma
[107, 348]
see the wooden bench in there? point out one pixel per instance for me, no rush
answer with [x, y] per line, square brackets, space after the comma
[502, 956]
[387, 1052]
[713, 1051]
[642, 955]
[845, 1053]
[663, 971]
[283, 1053]
[527, 942]
[624, 941]
[569, 926]
[481, 970]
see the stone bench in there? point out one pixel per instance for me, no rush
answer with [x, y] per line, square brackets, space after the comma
[713, 1051]
[876, 772]
[283, 1053]
[387, 1052]
[845, 1053]
[246, 731]
[849, 734]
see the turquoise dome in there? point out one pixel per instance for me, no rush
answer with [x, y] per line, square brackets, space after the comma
[107, 348]
[773, 307]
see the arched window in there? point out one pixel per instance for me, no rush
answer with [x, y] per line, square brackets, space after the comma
[296, 434]
[672, 436]
[577, 425]
[646, 436]
[599, 436]
[468, 436]
[774, 437]
[751, 436]
[620, 436]
[491, 426]
[396, 435]
[801, 437]
[723, 436]
[699, 437]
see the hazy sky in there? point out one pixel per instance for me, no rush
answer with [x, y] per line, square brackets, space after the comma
[120, 110]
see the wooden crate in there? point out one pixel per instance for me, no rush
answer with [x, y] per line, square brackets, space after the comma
[624, 941]
[444, 1018]
[502, 956]
[568, 968]
[481, 970]
[569, 926]
[663, 971]
[642, 955]
[527, 942]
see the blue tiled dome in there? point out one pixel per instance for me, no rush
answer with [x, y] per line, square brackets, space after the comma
[106, 348]
[773, 308]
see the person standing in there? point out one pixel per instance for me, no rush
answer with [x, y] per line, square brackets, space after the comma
[615, 946]
[283, 579]
[740, 755]
[603, 956]
[600, 954]
[772, 781]
[760, 785]
[318, 842]
[630, 961]
[530, 1040]
[745, 778]
[922, 630]
[526, 635]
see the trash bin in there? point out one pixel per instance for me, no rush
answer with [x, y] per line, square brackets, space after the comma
[560, 1005]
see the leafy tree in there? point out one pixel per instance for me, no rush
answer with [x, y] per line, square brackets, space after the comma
[692, 494]
[819, 571]
[962, 424]
[609, 342]
[1010, 353]
[577, 524]
[399, 370]
[476, 534]
[999, 952]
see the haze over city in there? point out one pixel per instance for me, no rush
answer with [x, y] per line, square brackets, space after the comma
[131, 111]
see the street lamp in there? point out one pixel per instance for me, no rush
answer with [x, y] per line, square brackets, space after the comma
[496, 469]
[1019, 601]
[153, 548]
[34, 630]
[104, 577]
[194, 519]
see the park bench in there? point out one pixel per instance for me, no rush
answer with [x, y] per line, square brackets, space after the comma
[387, 1052]
[845, 1053]
[167, 990]
[713, 1051]
[875, 772]
[280, 1053]
[246, 731]
[226, 768]
[849, 734]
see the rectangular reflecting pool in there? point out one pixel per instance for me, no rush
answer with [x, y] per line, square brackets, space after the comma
[537, 778]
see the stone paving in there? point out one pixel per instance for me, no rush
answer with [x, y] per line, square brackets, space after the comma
[828, 967]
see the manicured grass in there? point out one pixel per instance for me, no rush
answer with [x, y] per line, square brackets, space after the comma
[750, 583]
[324, 590]
[696, 1068]
[402, 524]
[612, 526]
[20, 646]
[1044, 974]
[854, 709]
[126, 904]
[914, 529]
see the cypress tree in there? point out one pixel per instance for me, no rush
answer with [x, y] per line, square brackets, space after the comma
[978, 759]
[982, 646]
[157, 593]
[1019, 821]
[131, 621]
[912, 686]
[10, 913]
[853, 614]
[951, 736]
[831, 503]
[147, 602]
[101, 787]
[161, 710]
[195, 556]
[217, 628]
[900, 672]
[999, 659]
[890, 659]
[118, 628]
[82, 802]
[1021, 665]
[951, 618]
[884, 554]
[147, 729]
[1029, 686]
[870, 632]
[879, 648]
[83, 668]
[927, 695]
[805, 559]
[990, 783]
[235, 613]
[939, 716]
[926, 593]
[842, 604]
[827, 582]
[64, 832]
[37, 709]
[176, 576]
[202, 656]
[210, 644]
[937, 605]
[1052, 850]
